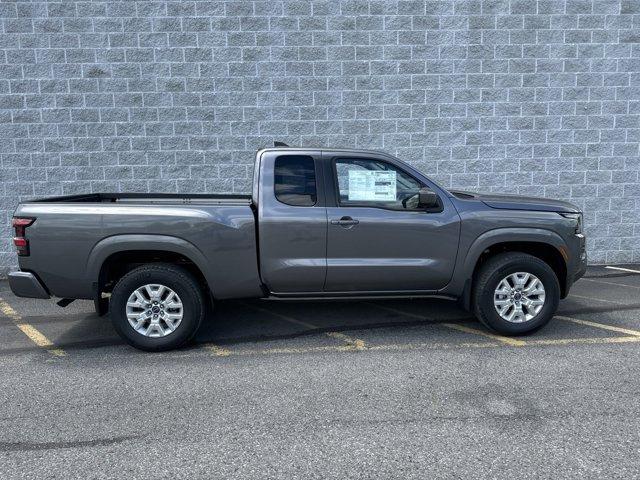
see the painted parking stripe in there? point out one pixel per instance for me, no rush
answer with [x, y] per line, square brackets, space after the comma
[622, 269]
[30, 331]
[584, 341]
[506, 340]
[455, 326]
[294, 350]
[352, 348]
[595, 299]
[354, 342]
[219, 351]
[602, 326]
[397, 347]
[609, 283]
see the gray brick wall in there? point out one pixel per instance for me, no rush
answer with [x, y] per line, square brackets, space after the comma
[523, 96]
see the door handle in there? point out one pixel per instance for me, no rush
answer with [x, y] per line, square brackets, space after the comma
[345, 222]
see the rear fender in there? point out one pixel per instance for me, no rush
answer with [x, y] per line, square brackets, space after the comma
[123, 243]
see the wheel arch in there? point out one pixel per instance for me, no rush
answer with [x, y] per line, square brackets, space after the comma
[546, 245]
[108, 258]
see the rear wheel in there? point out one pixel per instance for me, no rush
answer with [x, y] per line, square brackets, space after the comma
[157, 307]
[515, 293]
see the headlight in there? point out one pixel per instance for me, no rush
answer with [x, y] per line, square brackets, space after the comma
[578, 219]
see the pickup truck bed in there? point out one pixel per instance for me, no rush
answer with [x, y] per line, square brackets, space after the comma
[75, 236]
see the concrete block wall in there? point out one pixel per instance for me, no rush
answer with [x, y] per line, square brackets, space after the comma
[518, 96]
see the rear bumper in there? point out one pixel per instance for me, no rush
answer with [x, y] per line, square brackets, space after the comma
[26, 284]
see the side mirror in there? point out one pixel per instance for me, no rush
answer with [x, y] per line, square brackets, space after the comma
[427, 198]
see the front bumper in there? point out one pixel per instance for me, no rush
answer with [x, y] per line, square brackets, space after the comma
[582, 269]
[26, 284]
[579, 265]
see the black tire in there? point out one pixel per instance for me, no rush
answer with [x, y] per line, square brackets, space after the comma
[177, 279]
[488, 279]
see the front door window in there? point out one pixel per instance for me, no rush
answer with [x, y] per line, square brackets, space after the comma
[374, 183]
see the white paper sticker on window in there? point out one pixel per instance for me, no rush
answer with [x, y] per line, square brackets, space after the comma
[372, 185]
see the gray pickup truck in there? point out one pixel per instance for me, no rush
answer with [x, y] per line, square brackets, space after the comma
[320, 223]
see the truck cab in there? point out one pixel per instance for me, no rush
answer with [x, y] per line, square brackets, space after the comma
[338, 222]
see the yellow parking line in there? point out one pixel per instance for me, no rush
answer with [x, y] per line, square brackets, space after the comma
[353, 348]
[219, 351]
[612, 328]
[354, 342]
[591, 341]
[30, 331]
[431, 346]
[506, 340]
[292, 350]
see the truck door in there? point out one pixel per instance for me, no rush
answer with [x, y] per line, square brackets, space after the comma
[379, 239]
[292, 221]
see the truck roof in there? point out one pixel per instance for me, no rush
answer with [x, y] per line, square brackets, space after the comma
[325, 149]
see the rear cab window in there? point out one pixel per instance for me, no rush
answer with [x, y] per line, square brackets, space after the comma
[295, 180]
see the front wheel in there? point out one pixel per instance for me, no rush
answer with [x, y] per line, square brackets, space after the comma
[515, 293]
[157, 307]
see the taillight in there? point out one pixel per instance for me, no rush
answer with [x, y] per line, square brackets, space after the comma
[21, 243]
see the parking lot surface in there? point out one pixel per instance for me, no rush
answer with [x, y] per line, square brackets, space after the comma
[364, 389]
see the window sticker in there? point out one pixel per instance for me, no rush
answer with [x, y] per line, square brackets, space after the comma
[372, 185]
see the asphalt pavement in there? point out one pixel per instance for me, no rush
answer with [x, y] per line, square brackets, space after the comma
[376, 389]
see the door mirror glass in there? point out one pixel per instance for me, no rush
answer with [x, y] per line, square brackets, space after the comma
[427, 198]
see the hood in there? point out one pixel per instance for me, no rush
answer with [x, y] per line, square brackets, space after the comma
[516, 202]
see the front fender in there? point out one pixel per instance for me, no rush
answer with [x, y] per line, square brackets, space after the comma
[513, 234]
[461, 285]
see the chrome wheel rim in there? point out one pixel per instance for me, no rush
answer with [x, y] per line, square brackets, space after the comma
[154, 310]
[519, 297]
